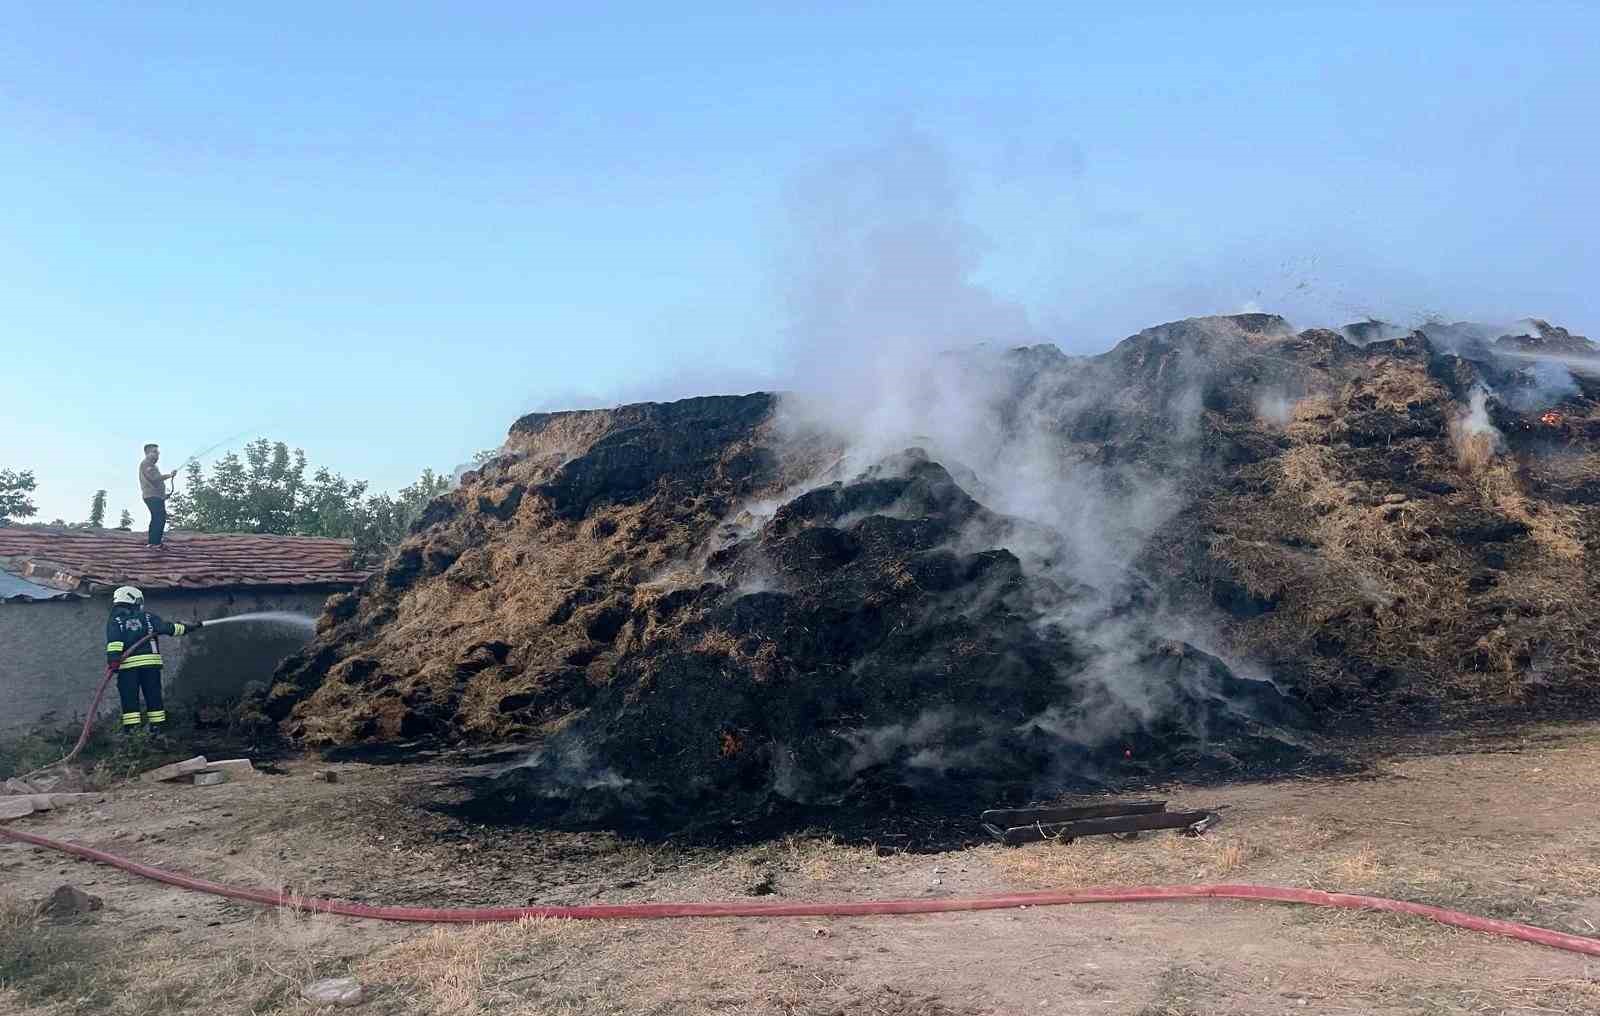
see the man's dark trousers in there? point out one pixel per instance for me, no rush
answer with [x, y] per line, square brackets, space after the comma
[158, 518]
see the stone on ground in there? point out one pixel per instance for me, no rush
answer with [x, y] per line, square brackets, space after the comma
[56, 780]
[67, 902]
[15, 807]
[340, 991]
[175, 770]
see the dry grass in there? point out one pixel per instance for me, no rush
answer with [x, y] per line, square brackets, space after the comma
[900, 578]
[1397, 386]
[532, 605]
[1433, 989]
[1474, 451]
[1368, 575]
[1293, 851]
[822, 860]
[1554, 528]
[716, 642]
[1103, 861]
[534, 586]
[450, 970]
[89, 966]
[578, 968]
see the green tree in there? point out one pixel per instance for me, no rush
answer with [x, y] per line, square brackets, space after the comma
[259, 493]
[126, 521]
[390, 518]
[14, 500]
[97, 510]
[268, 490]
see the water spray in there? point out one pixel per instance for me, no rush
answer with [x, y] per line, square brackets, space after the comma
[196, 457]
[280, 618]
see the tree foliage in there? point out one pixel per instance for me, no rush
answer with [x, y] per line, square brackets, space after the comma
[271, 489]
[97, 510]
[126, 521]
[14, 500]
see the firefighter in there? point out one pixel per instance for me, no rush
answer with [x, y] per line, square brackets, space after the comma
[138, 665]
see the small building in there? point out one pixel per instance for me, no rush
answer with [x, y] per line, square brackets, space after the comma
[55, 596]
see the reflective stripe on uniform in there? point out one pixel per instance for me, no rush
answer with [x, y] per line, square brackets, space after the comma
[114, 647]
[178, 629]
[130, 719]
[141, 660]
[158, 716]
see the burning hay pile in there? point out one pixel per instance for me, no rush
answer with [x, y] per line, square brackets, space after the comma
[1009, 574]
[1422, 532]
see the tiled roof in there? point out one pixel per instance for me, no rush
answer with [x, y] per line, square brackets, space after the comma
[83, 560]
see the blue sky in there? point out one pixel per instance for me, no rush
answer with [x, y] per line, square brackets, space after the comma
[383, 231]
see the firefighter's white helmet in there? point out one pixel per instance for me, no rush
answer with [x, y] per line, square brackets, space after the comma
[129, 595]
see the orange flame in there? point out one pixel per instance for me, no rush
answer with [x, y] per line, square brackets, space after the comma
[1551, 419]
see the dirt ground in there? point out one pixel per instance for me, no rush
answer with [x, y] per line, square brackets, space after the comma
[1502, 826]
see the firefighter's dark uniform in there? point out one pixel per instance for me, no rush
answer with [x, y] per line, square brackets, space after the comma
[141, 669]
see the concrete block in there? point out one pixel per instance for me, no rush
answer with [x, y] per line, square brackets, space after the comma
[236, 768]
[15, 807]
[176, 770]
[209, 779]
[17, 786]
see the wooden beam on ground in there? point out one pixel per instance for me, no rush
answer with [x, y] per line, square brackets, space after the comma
[1099, 826]
[1008, 818]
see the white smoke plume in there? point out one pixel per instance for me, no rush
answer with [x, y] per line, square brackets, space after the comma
[1275, 407]
[1475, 437]
[1549, 381]
[894, 343]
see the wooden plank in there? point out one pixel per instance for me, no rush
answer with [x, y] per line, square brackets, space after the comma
[1100, 826]
[1008, 818]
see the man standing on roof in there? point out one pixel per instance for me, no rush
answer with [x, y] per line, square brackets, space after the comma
[153, 488]
[133, 647]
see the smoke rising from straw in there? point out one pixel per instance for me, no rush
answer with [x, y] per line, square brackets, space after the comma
[892, 341]
[1477, 440]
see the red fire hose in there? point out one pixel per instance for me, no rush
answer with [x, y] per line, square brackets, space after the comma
[646, 911]
[641, 911]
[94, 709]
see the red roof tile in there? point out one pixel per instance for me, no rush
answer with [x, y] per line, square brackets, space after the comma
[83, 560]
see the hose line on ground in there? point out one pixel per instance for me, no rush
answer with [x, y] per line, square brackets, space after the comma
[94, 709]
[864, 908]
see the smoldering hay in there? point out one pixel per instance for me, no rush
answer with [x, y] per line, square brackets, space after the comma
[1004, 573]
